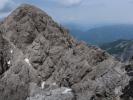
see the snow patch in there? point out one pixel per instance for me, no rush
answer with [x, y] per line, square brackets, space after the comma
[9, 62]
[11, 51]
[27, 61]
[67, 90]
[42, 84]
[54, 83]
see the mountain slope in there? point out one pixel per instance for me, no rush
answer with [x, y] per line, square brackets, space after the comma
[44, 62]
[122, 49]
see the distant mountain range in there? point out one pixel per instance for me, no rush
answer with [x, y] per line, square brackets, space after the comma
[121, 49]
[104, 34]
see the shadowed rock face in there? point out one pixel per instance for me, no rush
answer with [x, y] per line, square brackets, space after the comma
[41, 51]
[4, 57]
[128, 90]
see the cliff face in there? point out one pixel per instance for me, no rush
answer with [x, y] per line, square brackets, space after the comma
[40, 60]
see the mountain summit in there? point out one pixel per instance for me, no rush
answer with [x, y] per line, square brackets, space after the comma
[40, 60]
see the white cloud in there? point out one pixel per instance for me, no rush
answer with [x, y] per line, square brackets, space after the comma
[6, 6]
[69, 2]
[3, 3]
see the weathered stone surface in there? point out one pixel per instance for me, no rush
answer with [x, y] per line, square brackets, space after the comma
[41, 50]
[50, 92]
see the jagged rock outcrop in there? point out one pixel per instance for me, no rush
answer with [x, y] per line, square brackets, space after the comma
[42, 51]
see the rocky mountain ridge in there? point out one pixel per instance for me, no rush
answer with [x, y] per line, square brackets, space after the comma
[121, 49]
[40, 60]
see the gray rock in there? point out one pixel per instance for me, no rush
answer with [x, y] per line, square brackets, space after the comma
[41, 50]
[51, 92]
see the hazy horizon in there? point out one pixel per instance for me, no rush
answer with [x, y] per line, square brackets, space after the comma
[80, 12]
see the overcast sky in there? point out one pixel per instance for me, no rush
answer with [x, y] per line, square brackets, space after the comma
[85, 12]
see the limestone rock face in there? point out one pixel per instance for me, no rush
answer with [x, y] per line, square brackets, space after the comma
[36, 50]
[50, 92]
